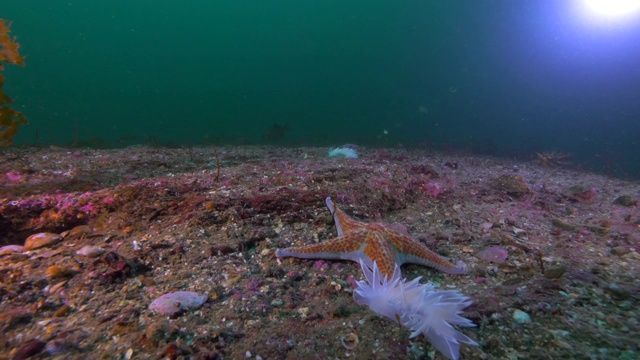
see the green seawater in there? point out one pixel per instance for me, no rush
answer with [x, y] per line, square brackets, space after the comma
[506, 78]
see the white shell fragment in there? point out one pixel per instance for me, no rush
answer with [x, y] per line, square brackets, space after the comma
[39, 240]
[175, 302]
[10, 249]
[91, 251]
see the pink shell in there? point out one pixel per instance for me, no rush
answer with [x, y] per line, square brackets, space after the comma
[175, 302]
[496, 254]
[10, 249]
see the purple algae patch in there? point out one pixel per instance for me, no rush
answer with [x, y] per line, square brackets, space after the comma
[496, 254]
[176, 302]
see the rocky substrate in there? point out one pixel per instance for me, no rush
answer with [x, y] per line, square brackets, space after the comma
[146, 253]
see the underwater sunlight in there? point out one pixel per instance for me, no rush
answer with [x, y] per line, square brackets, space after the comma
[613, 8]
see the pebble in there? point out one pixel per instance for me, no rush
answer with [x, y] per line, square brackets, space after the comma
[79, 231]
[559, 334]
[350, 341]
[29, 349]
[59, 347]
[159, 331]
[10, 249]
[618, 250]
[303, 311]
[91, 251]
[62, 311]
[625, 200]
[39, 240]
[176, 302]
[562, 345]
[59, 271]
[617, 292]
[555, 272]
[521, 317]
[628, 355]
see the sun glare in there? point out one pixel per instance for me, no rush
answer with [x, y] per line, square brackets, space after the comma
[613, 8]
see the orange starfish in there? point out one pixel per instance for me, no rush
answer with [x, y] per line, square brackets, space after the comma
[387, 245]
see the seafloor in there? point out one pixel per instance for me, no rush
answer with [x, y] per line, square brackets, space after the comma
[208, 220]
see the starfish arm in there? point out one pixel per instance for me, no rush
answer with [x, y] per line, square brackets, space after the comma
[378, 250]
[345, 247]
[411, 251]
[344, 224]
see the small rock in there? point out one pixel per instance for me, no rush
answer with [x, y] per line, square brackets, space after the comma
[277, 302]
[492, 271]
[176, 302]
[10, 317]
[617, 292]
[562, 225]
[625, 200]
[91, 251]
[59, 347]
[341, 308]
[628, 355]
[303, 311]
[63, 311]
[555, 272]
[159, 331]
[620, 250]
[485, 227]
[562, 345]
[521, 317]
[29, 349]
[171, 351]
[59, 271]
[581, 194]
[39, 240]
[220, 250]
[79, 231]
[513, 185]
[350, 341]
[559, 334]
[10, 249]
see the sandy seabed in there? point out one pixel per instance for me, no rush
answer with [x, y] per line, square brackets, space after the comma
[554, 270]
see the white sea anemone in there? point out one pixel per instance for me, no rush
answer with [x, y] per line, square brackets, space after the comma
[417, 306]
[343, 152]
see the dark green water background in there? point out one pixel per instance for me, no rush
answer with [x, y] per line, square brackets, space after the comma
[499, 77]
